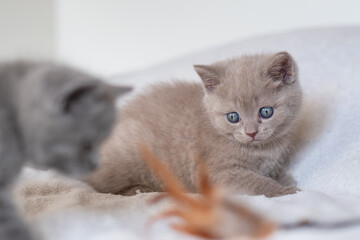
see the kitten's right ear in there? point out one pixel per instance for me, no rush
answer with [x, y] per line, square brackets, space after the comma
[210, 75]
[73, 93]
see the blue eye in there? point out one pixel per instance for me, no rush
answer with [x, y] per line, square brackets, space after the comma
[233, 117]
[266, 112]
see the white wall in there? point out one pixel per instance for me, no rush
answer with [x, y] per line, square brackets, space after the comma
[26, 29]
[114, 36]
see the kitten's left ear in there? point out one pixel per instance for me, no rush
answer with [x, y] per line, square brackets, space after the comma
[211, 75]
[282, 67]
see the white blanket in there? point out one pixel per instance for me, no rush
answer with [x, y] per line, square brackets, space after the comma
[326, 167]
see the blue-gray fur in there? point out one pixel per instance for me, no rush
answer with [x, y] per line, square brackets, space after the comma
[52, 116]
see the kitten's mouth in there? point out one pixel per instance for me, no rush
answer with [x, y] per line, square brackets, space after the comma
[251, 141]
[248, 140]
[255, 141]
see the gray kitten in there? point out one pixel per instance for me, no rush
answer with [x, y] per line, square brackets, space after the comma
[239, 120]
[53, 116]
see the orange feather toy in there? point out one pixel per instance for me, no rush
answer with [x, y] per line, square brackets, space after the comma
[208, 214]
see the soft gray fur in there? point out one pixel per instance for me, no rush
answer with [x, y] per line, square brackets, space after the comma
[181, 120]
[52, 116]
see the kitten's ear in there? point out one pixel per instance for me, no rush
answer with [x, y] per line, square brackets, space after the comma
[282, 68]
[211, 75]
[73, 94]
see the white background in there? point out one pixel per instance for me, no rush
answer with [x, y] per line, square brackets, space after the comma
[116, 36]
[26, 29]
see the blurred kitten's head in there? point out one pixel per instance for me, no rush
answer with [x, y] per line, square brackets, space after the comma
[252, 99]
[65, 115]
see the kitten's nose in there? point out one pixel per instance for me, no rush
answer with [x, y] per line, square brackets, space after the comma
[252, 134]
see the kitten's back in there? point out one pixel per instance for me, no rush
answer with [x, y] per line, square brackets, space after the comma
[10, 75]
[177, 99]
[164, 118]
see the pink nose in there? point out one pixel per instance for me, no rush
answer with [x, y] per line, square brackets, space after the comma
[252, 134]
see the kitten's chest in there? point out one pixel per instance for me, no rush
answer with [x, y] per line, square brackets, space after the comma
[265, 161]
[269, 162]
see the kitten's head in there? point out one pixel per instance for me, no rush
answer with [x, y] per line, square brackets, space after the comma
[252, 99]
[65, 115]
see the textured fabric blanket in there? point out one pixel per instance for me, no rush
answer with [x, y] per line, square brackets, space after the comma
[326, 167]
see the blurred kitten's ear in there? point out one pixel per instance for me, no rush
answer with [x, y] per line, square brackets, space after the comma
[74, 93]
[98, 90]
[211, 75]
[282, 68]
